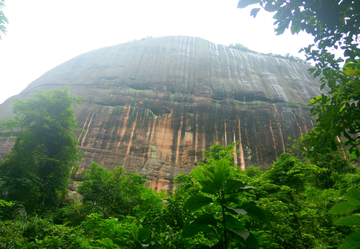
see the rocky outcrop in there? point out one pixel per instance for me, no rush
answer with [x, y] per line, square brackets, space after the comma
[154, 105]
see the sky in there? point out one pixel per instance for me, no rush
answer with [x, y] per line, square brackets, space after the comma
[43, 34]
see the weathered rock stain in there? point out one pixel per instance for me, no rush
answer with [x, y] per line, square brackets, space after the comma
[154, 105]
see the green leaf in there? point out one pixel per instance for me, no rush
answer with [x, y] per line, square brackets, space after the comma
[232, 198]
[209, 174]
[236, 210]
[293, 28]
[316, 74]
[4, 203]
[219, 179]
[200, 224]
[348, 221]
[243, 234]
[199, 174]
[143, 234]
[209, 188]
[315, 100]
[256, 213]
[353, 197]
[311, 70]
[233, 185]
[353, 154]
[197, 201]
[233, 223]
[108, 243]
[254, 12]
[244, 3]
[248, 187]
[352, 242]
[134, 231]
[252, 242]
[342, 208]
[222, 170]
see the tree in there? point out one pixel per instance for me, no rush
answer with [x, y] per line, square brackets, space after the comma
[222, 209]
[3, 19]
[290, 171]
[117, 192]
[36, 171]
[335, 27]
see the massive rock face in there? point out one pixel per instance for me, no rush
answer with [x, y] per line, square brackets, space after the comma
[154, 105]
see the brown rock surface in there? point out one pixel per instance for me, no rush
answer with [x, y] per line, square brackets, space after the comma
[154, 105]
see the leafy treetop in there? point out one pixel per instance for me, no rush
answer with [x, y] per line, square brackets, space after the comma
[36, 171]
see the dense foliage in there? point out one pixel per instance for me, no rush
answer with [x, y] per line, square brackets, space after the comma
[297, 203]
[335, 28]
[36, 172]
[216, 206]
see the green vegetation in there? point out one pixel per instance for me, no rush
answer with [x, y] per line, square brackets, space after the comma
[335, 28]
[298, 203]
[36, 172]
[293, 104]
[216, 205]
[287, 56]
[3, 19]
[352, 204]
[221, 194]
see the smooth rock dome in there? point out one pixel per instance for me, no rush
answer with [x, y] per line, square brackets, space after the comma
[154, 105]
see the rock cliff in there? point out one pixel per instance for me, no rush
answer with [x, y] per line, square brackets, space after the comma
[154, 105]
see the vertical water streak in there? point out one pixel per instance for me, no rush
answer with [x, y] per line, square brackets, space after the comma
[242, 160]
[84, 126]
[250, 70]
[87, 130]
[280, 130]
[299, 80]
[163, 135]
[196, 136]
[225, 132]
[187, 65]
[151, 138]
[132, 134]
[272, 135]
[216, 50]
[228, 64]
[123, 129]
[246, 78]
[179, 140]
[241, 83]
[179, 63]
[234, 151]
[270, 77]
[212, 66]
